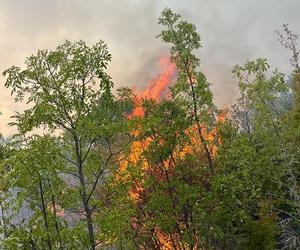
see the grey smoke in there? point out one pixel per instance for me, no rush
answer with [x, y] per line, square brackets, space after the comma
[232, 31]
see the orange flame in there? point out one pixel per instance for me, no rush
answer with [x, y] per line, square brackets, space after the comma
[156, 89]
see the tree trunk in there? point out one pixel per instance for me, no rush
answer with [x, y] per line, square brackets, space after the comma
[84, 196]
[45, 215]
[197, 120]
[56, 223]
[3, 220]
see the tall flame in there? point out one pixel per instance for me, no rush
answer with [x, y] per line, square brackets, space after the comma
[156, 89]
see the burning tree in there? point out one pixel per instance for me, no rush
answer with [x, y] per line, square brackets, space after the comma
[161, 168]
[166, 174]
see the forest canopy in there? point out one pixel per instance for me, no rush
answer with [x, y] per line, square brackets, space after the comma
[95, 167]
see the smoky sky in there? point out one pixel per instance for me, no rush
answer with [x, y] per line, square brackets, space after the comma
[232, 31]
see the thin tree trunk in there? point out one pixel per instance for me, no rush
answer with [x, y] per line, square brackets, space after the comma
[195, 110]
[84, 196]
[3, 220]
[45, 214]
[56, 223]
[196, 117]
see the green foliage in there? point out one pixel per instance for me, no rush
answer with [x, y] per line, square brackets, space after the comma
[263, 232]
[90, 177]
[191, 87]
[60, 85]
[69, 93]
[34, 169]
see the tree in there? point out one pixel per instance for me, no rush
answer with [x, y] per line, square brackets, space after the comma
[4, 154]
[69, 92]
[36, 187]
[163, 183]
[93, 175]
[252, 160]
[290, 213]
[191, 87]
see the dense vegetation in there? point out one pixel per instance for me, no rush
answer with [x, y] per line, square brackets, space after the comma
[83, 173]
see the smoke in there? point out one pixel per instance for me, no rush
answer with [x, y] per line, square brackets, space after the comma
[231, 31]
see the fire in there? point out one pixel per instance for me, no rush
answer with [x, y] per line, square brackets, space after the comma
[158, 88]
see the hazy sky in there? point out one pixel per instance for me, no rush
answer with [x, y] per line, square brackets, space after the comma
[231, 31]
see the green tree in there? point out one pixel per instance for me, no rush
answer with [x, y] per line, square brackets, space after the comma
[191, 88]
[166, 178]
[252, 161]
[290, 212]
[35, 185]
[4, 154]
[69, 93]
